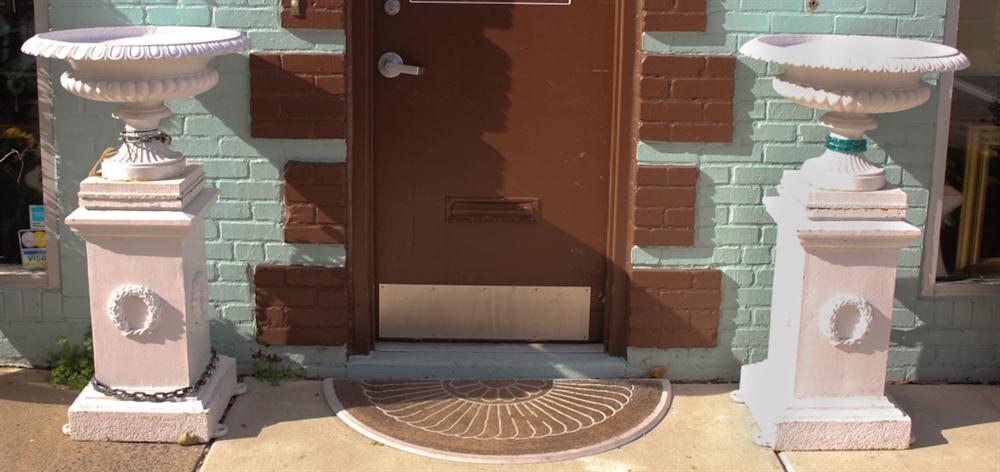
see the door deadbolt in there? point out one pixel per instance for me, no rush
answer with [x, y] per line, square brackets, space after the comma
[392, 7]
[391, 65]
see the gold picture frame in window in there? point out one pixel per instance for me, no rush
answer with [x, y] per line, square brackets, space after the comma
[983, 145]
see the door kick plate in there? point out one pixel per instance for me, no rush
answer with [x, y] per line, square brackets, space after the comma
[483, 312]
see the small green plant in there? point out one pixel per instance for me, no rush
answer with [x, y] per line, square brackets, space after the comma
[72, 366]
[271, 368]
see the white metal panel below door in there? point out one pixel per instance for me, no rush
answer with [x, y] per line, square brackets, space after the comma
[484, 312]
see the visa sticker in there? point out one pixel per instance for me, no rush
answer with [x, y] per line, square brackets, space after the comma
[34, 250]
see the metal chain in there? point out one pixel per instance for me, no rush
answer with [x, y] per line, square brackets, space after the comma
[159, 397]
[133, 138]
[140, 137]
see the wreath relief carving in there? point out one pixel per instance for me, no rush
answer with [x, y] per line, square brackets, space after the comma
[149, 298]
[846, 319]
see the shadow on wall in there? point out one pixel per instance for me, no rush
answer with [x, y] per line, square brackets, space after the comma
[953, 339]
[934, 339]
[93, 13]
[714, 40]
[327, 39]
[229, 103]
[232, 339]
[223, 115]
[906, 140]
[742, 326]
[720, 363]
[944, 339]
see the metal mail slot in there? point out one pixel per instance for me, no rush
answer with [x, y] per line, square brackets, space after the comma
[499, 2]
[492, 210]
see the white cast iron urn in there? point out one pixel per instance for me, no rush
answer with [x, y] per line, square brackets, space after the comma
[851, 77]
[139, 67]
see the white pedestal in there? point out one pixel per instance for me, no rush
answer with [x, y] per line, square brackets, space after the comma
[149, 309]
[822, 386]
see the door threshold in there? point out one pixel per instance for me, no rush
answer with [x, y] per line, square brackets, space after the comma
[540, 348]
[470, 360]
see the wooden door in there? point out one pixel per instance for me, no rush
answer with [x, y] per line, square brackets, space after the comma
[491, 168]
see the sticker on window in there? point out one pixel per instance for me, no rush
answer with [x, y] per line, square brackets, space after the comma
[500, 2]
[36, 214]
[33, 248]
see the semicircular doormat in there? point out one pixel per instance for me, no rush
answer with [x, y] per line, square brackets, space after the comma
[500, 421]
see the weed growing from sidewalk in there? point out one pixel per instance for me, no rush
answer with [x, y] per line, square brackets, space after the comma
[271, 368]
[72, 366]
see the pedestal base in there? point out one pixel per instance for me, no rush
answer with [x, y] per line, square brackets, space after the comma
[818, 424]
[96, 417]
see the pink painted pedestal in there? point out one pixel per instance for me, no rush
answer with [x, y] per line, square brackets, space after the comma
[149, 310]
[822, 386]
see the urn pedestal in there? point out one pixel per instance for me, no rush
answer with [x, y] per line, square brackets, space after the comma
[149, 311]
[840, 231]
[156, 376]
[822, 386]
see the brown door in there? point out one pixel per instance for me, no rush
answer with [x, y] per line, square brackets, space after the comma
[491, 168]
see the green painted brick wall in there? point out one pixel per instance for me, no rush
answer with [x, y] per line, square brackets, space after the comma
[934, 339]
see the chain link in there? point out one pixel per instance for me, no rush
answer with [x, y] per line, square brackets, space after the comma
[159, 397]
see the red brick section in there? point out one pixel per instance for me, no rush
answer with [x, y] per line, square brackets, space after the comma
[315, 203]
[298, 96]
[686, 98]
[674, 15]
[301, 306]
[674, 308]
[664, 205]
[325, 14]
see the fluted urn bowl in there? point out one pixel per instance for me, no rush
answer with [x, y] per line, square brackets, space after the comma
[139, 67]
[851, 77]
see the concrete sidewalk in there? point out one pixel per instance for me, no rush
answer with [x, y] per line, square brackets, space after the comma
[291, 428]
[32, 414]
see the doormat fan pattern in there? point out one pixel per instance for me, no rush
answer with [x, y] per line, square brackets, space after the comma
[500, 421]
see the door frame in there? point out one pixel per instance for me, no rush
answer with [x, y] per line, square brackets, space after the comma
[361, 238]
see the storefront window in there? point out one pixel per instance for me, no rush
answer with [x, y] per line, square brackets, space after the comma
[20, 160]
[970, 226]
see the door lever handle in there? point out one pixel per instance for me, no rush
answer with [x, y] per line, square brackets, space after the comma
[391, 65]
